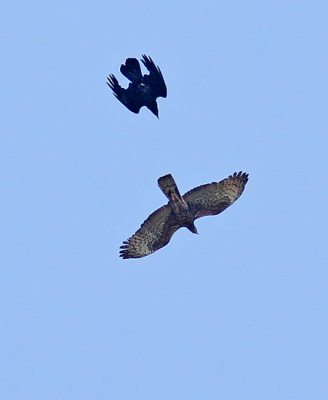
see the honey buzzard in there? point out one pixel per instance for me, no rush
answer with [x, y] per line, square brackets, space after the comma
[182, 211]
[143, 89]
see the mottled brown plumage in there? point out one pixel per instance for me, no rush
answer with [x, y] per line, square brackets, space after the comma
[182, 211]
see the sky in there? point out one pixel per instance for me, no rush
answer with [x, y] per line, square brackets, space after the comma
[236, 312]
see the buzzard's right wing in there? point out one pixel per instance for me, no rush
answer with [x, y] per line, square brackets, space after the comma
[213, 198]
[127, 97]
[155, 78]
[153, 234]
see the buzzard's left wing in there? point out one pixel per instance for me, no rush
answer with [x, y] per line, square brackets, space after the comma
[153, 234]
[213, 198]
[155, 78]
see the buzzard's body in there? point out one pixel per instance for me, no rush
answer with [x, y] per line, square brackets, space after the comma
[143, 89]
[182, 211]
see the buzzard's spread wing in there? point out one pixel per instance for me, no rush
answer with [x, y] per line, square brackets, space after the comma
[153, 234]
[155, 78]
[128, 96]
[213, 198]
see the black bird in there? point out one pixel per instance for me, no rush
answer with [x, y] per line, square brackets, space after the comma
[143, 89]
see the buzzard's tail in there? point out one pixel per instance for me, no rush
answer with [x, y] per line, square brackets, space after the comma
[131, 70]
[169, 187]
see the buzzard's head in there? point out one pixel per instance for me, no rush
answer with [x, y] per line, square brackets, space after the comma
[192, 228]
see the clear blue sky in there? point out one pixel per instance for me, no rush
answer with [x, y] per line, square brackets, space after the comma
[236, 312]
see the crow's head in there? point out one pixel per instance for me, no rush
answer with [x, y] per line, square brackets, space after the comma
[153, 108]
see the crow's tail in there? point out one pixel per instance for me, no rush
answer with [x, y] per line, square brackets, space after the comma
[131, 70]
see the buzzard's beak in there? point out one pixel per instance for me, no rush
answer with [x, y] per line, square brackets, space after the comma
[192, 228]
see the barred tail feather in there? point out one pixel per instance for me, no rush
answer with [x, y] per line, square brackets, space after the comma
[169, 188]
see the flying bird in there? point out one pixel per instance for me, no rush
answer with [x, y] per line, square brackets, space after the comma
[182, 211]
[143, 89]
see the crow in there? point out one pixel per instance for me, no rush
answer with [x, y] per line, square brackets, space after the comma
[143, 89]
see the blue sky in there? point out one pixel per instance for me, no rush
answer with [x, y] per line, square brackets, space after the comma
[236, 312]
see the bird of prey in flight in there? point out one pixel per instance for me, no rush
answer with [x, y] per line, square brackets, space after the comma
[182, 211]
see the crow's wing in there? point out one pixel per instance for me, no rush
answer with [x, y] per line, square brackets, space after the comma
[128, 96]
[153, 234]
[213, 198]
[155, 78]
